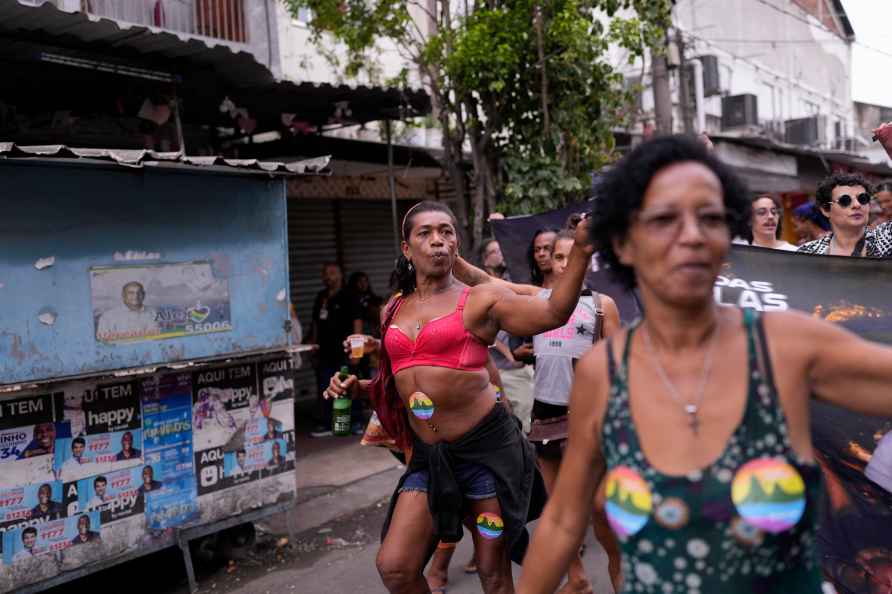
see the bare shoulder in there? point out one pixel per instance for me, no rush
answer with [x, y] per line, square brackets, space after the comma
[797, 326]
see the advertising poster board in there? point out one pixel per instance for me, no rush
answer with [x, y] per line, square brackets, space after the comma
[136, 303]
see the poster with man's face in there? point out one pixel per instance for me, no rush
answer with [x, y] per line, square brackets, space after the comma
[156, 301]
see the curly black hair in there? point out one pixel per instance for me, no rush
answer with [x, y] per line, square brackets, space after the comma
[824, 194]
[622, 189]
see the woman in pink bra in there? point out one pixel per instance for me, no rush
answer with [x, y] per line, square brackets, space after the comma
[432, 394]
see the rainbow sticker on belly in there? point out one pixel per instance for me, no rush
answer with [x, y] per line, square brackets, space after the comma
[628, 501]
[769, 494]
[490, 525]
[421, 406]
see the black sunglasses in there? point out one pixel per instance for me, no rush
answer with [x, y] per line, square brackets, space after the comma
[845, 200]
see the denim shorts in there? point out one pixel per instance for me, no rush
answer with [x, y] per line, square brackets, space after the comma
[475, 481]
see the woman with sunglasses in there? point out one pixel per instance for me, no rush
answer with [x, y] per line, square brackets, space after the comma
[701, 440]
[844, 198]
[765, 224]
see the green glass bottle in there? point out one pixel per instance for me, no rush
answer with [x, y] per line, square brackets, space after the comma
[340, 413]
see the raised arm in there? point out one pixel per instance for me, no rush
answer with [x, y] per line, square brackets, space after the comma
[566, 517]
[473, 276]
[842, 368]
[524, 315]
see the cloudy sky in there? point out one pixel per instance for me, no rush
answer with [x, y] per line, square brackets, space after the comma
[871, 70]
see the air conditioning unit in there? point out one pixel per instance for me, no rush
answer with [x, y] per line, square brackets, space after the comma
[739, 111]
[711, 83]
[847, 144]
[808, 131]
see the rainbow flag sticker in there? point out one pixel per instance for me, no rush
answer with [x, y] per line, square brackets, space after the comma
[628, 501]
[769, 494]
[421, 406]
[490, 525]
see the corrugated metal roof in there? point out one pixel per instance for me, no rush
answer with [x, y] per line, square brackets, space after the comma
[251, 83]
[147, 158]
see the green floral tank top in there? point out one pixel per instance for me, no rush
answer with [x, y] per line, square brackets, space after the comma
[745, 524]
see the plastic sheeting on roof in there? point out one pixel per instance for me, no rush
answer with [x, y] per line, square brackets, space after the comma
[147, 158]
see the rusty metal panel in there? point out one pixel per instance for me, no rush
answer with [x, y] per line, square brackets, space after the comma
[65, 227]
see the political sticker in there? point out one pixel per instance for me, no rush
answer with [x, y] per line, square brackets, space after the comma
[89, 455]
[628, 501]
[57, 535]
[769, 494]
[421, 406]
[490, 526]
[39, 502]
[115, 495]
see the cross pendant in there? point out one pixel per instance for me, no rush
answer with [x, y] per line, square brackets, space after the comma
[693, 420]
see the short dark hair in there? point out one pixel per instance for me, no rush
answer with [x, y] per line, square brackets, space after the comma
[99, 479]
[484, 245]
[780, 215]
[824, 194]
[621, 193]
[883, 186]
[29, 530]
[79, 440]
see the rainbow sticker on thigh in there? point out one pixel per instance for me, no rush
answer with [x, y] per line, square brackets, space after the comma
[628, 501]
[490, 525]
[769, 494]
[421, 406]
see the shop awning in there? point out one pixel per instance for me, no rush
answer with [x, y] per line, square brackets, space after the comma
[10, 152]
[204, 72]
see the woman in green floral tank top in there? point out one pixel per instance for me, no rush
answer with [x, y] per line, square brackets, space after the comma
[697, 436]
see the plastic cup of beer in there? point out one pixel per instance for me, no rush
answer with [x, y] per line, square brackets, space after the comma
[357, 347]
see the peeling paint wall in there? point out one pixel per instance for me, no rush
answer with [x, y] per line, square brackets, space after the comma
[71, 219]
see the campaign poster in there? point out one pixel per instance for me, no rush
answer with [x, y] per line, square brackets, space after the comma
[28, 439]
[115, 495]
[137, 303]
[176, 501]
[269, 456]
[167, 411]
[57, 535]
[223, 401]
[87, 455]
[31, 504]
[280, 456]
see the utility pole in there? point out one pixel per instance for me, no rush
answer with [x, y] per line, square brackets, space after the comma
[685, 97]
[662, 95]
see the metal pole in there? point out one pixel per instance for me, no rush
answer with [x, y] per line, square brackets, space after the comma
[392, 183]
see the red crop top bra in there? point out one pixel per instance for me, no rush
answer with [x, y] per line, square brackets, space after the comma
[443, 342]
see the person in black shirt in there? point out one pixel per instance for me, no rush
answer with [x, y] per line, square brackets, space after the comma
[333, 316]
[46, 508]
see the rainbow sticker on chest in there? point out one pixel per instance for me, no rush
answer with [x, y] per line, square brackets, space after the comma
[421, 406]
[769, 494]
[489, 525]
[628, 501]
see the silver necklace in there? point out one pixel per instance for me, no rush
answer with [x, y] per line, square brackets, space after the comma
[423, 299]
[691, 409]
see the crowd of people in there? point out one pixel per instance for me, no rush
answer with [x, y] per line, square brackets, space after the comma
[677, 438]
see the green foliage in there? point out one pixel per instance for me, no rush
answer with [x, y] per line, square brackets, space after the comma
[534, 139]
